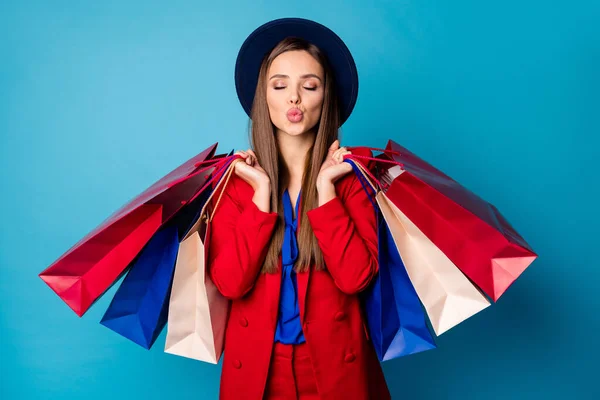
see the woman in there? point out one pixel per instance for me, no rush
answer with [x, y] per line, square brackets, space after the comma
[294, 237]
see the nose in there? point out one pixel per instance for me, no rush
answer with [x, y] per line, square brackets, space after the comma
[294, 97]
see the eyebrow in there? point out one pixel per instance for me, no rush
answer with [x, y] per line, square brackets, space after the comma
[303, 76]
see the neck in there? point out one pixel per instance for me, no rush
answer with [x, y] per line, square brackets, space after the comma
[293, 151]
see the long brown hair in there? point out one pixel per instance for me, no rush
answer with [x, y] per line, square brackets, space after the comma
[264, 144]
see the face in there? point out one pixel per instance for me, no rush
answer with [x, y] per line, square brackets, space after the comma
[295, 91]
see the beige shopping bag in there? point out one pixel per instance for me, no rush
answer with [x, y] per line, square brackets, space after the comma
[446, 293]
[197, 310]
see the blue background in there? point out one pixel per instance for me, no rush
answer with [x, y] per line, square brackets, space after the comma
[100, 99]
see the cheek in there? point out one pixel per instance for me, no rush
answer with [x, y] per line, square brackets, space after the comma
[316, 105]
[274, 98]
[273, 106]
[275, 112]
[270, 102]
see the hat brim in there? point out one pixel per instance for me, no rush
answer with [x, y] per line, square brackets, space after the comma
[263, 40]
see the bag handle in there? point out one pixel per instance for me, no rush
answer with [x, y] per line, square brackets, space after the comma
[364, 169]
[359, 157]
[364, 174]
[361, 174]
[224, 160]
[227, 174]
[214, 174]
[375, 159]
[387, 151]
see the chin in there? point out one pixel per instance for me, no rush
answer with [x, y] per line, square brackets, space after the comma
[295, 129]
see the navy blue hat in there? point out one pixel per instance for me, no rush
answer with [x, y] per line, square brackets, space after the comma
[265, 38]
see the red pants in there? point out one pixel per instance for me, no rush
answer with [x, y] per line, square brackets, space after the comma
[290, 374]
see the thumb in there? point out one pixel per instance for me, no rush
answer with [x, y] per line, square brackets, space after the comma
[334, 146]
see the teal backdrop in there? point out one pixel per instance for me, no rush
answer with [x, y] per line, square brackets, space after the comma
[100, 99]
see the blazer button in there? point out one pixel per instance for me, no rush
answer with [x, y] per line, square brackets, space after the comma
[237, 364]
[243, 322]
[350, 357]
[340, 316]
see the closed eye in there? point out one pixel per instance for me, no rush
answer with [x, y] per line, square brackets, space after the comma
[279, 88]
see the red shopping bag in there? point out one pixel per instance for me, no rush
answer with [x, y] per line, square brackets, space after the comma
[467, 229]
[91, 266]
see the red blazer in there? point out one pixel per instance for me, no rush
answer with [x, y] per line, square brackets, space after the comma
[344, 361]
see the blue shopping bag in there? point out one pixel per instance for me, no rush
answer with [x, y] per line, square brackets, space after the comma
[396, 320]
[139, 309]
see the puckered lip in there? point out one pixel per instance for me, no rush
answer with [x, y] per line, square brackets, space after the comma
[294, 111]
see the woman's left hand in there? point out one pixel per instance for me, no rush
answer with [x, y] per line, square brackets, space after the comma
[334, 166]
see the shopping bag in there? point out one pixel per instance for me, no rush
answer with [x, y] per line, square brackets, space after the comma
[92, 265]
[139, 308]
[197, 310]
[138, 311]
[396, 321]
[468, 230]
[448, 296]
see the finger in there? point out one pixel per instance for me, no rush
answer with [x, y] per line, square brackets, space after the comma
[342, 154]
[247, 157]
[337, 151]
[335, 154]
[334, 146]
[342, 169]
[252, 157]
[244, 158]
[339, 170]
[339, 154]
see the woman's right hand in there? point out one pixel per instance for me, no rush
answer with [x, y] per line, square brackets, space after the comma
[250, 171]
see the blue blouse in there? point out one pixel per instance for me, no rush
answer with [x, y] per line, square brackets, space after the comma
[289, 328]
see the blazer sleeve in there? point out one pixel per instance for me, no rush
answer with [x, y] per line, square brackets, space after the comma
[347, 235]
[239, 237]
